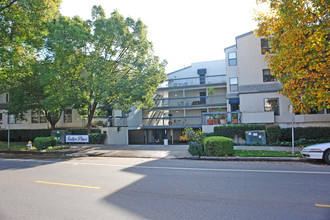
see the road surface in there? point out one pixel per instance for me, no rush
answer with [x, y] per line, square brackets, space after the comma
[135, 188]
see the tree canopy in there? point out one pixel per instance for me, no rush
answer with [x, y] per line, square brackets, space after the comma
[86, 65]
[22, 29]
[50, 88]
[120, 69]
[299, 35]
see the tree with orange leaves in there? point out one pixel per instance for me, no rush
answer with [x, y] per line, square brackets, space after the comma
[299, 57]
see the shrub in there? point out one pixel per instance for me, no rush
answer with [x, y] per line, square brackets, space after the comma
[273, 132]
[218, 146]
[23, 135]
[44, 142]
[195, 136]
[196, 148]
[97, 138]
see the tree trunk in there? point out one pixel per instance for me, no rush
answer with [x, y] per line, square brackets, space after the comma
[91, 111]
[52, 119]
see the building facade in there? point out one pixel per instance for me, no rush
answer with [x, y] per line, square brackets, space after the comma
[250, 83]
[203, 95]
[181, 101]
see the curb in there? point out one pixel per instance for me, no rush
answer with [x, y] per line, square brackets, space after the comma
[274, 159]
[74, 153]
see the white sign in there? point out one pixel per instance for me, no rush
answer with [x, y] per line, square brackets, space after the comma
[11, 119]
[77, 138]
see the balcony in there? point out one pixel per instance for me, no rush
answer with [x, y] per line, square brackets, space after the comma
[196, 101]
[218, 118]
[173, 122]
[194, 81]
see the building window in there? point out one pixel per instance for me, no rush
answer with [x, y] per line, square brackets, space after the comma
[0, 118]
[267, 77]
[272, 104]
[38, 116]
[202, 78]
[233, 84]
[7, 97]
[201, 71]
[67, 115]
[232, 59]
[265, 46]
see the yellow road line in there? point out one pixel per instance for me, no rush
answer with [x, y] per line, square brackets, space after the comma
[321, 205]
[64, 184]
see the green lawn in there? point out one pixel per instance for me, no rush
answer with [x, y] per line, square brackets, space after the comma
[13, 146]
[265, 153]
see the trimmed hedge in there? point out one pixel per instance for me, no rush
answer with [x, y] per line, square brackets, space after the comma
[195, 148]
[236, 129]
[305, 133]
[218, 146]
[25, 135]
[274, 133]
[97, 138]
[44, 142]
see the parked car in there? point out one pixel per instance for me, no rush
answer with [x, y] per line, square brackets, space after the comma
[318, 151]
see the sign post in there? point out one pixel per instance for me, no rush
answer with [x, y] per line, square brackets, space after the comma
[292, 126]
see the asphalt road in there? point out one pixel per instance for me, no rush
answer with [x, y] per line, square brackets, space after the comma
[123, 188]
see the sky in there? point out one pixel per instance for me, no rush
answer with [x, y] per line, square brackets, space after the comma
[182, 31]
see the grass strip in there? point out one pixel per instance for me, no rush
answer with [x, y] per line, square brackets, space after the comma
[265, 153]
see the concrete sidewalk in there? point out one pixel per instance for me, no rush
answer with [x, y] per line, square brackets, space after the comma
[157, 152]
[165, 151]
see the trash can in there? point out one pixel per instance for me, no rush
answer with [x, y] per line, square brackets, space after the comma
[165, 141]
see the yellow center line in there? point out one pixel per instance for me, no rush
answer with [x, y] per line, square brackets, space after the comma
[64, 184]
[321, 205]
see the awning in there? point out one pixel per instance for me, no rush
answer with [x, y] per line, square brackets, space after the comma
[232, 101]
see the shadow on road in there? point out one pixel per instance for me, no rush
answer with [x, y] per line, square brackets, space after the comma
[184, 193]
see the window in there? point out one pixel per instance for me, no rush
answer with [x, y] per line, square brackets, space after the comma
[233, 84]
[232, 60]
[265, 47]
[67, 115]
[201, 71]
[38, 116]
[272, 104]
[0, 118]
[202, 79]
[7, 97]
[35, 116]
[267, 77]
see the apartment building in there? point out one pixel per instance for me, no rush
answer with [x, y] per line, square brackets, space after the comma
[181, 101]
[252, 88]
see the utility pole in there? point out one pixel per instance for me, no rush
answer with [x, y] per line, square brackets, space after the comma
[292, 126]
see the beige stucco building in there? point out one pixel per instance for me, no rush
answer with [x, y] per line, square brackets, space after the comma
[249, 82]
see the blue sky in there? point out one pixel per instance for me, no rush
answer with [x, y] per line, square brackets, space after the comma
[182, 31]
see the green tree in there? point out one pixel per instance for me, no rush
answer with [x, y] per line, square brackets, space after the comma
[51, 85]
[121, 69]
[300, 32]
[22, 28]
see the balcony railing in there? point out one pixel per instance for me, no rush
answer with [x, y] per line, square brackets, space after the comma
[172, 121]
[193, 81]
[191, 101]
[217, 118]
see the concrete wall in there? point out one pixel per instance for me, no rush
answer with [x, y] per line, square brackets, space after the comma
[250, 61]
[215, 67]
[77, 122]
[116, 135]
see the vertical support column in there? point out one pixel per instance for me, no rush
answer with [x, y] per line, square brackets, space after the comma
[172, 136]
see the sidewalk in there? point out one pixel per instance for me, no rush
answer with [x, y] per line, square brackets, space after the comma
[171, 152]
[161, 152]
